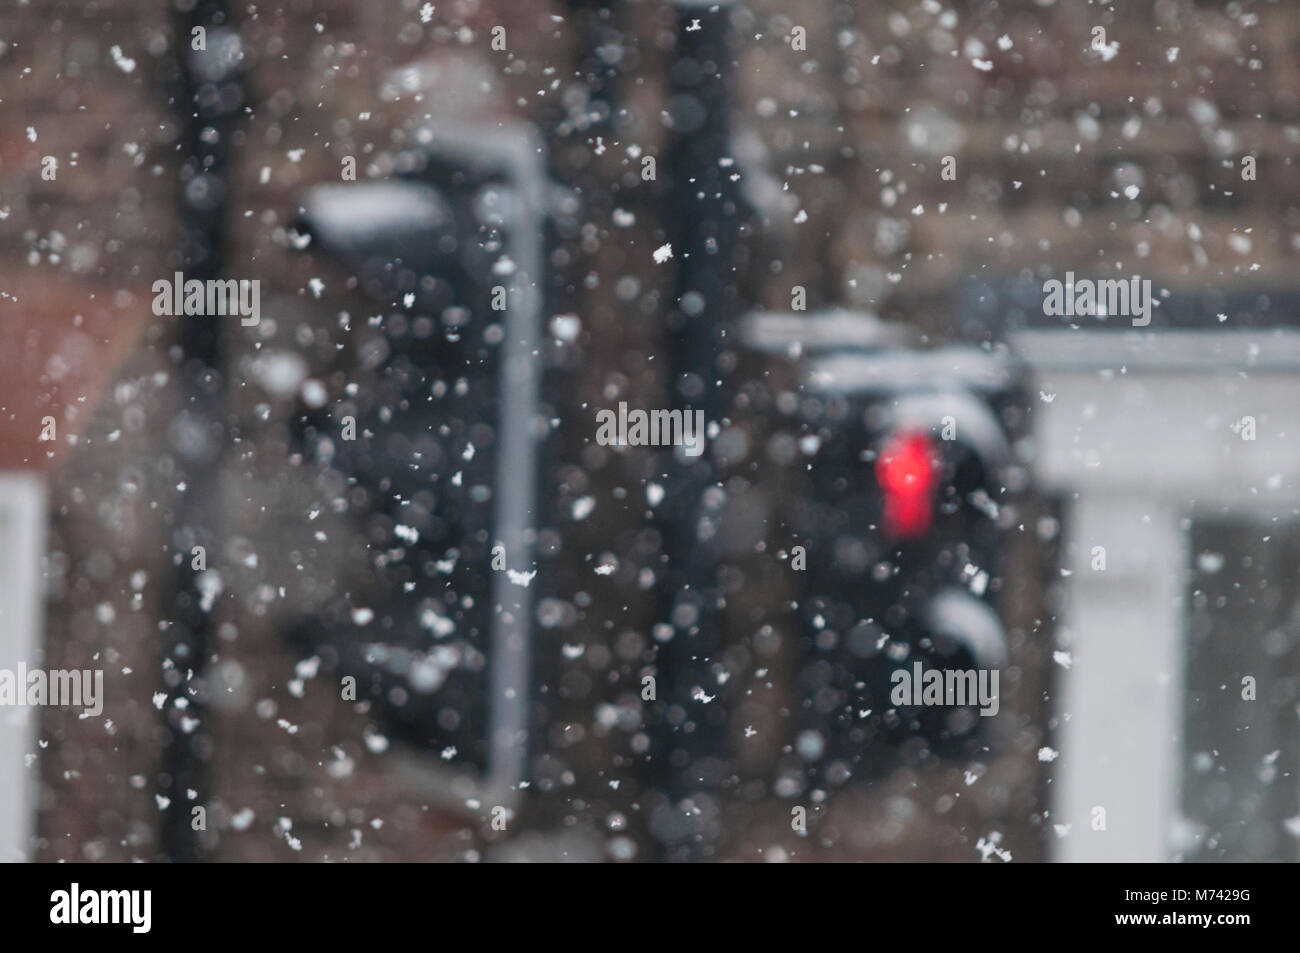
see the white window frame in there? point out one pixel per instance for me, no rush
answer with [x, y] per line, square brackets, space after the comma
[1137, 438]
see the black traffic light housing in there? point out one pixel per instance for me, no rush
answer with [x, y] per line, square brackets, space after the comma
[907, 465]
[444, 453]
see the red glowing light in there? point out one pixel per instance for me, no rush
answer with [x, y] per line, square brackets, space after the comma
[905, 471]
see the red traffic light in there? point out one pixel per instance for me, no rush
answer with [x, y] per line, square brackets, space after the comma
[906, 470]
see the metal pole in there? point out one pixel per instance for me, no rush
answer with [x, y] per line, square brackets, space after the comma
[206, 99]
[689, 762]
[598, 30]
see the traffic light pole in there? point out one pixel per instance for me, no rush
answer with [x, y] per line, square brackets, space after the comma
[206, 99]
[700, 209]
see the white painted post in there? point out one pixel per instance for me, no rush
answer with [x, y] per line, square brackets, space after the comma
[22, 548]
[1121, 705]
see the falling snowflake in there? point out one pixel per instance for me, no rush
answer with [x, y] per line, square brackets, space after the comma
[124, 63]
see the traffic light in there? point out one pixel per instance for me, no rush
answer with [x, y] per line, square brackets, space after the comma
[906, 468]
[441, 454]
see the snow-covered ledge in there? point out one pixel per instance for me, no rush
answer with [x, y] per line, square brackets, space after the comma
[22, 549]
[1138, 432]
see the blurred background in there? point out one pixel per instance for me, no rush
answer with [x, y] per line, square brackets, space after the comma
[365, 587]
